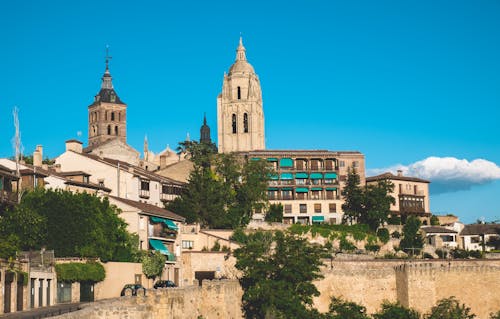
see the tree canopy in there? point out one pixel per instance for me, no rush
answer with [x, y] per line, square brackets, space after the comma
[450, 308]
[73, 225]
[223, 189]
[367, 205]
[412, 241]
[278, 270]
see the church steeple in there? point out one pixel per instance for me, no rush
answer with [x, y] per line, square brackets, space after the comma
[240, 51]
[205, 132]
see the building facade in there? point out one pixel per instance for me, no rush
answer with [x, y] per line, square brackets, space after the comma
[240, 114]
[309, 183]
[411, 195]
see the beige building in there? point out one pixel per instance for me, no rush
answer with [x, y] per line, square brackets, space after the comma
[411, 195]
[308, 183]
[240, 116]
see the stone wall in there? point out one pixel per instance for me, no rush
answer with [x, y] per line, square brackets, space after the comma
[214, 299]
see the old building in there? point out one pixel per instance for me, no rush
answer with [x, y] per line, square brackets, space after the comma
[480, 236]
[411, 195]
[240, 113]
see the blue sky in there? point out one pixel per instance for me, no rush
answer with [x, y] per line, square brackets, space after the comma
[400, 81]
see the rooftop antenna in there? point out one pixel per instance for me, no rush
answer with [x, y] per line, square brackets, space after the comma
[18, 148]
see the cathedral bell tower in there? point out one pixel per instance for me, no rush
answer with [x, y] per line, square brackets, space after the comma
[240, 116]
[107, 115]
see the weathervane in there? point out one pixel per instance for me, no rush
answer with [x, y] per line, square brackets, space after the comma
[108, 57]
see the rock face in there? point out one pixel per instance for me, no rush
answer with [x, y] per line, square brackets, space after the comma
[214, 299]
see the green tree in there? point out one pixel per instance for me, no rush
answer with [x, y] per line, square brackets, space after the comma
[434, 220]
[275, 213]
[377, 204]
[73, 225]
[353, 198]
[153, 264]
[223, 190]
[412, 241]
[277, 274]
[395, 311]
[450, 308]
[341, 309]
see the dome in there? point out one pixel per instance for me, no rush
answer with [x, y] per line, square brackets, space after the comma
[241, 66]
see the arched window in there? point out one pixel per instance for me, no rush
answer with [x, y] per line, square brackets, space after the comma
[106, 115]
[116, 130]
[234, 123]
[112, 116]
[245, 123]
[95, 130]
[109, 129]
[239, 93]
[119, 116]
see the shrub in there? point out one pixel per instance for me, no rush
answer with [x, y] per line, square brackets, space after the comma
[450, 308]
[394, 220]
[346, 245]
[395, 311]
[72, 272]
[373, 248]
[396, 234]
[443, 254]
[383, 235]
[216, 246]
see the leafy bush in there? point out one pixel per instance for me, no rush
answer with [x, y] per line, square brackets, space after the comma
[396, 234]
[395, 311]
[216, 246]
[153, 264]
[434, 220]
[373, 248]
[341, 309]
[443, 254]
[275, 213]
[383, 235]
[72, 272]
[394, 220]
[346, 245]
[450, 308]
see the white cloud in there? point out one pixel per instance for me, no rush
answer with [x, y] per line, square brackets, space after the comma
[448, 174]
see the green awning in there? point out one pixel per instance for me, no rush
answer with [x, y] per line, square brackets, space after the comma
[170, 224]
[301, 175]
[286, 162]
[272, 189]
[158, 245]
[316, 176]
[286, 189]
[301, 190]
[255, 159]
[316, 189]
[286, 176]
[330, 176]
[272, 176]
[318, 219]
[331, 189]
[272, 159]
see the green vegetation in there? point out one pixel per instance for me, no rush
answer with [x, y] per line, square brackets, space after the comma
[274, 213]
[383, 235]
[434, 220]
[412, 242]
[395, 311]
[450, 308]
[368, 205]
[341, 309]
[277, 274]
[73, 225]
[153, 264]
[223, 191]
[357, 231]
[72, 272]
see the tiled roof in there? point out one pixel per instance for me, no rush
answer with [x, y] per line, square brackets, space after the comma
[438, 230]
[479, 229]
[389, 175]
[150, 209]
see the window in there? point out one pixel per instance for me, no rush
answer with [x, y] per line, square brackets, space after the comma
[317, 208]
[315, 195]
[300, 181]
[187, 244]
[301, 195]
[116, 131]
[329, 165]
[288, 209]
[286, 194]
[303, 208]
[239, 93]
[112, 116]
[301, 165]
[234, 123]
[332, 208]
[330, 194]
[342, 164]
[144, 189]
[355, 164]
[119, 116]
[109, 129]
[106, 115]
[245, 123]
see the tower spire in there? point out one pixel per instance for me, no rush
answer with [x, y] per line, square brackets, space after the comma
[106, 78]
[240, 51]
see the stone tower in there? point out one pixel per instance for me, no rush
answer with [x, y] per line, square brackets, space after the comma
[205, 132]
[107, 115]
[240, 116]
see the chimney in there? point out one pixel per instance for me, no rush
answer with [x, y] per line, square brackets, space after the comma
[37, 157]
[74, 145]
[163, 161]
[400, 173]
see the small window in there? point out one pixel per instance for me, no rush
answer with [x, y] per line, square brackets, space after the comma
[116, 130]
[303, 208]
[109, 129]
[106, 115]
[239, 93]
[187, 244]
[112, 116]
[119, 116]
[317, 208]
[341, 164]
[245, 123]
[355, 164]
[332, 208]
[234, 123]
[288, 208]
